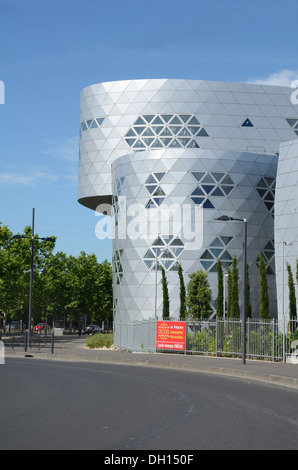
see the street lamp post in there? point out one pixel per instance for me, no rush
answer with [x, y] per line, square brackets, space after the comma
[226, 218]
[31, 270]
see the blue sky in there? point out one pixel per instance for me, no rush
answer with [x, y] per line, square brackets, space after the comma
[50, 50]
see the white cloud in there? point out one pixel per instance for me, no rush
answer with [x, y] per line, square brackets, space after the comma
[64, 149]
[281, 78]
[28, 180]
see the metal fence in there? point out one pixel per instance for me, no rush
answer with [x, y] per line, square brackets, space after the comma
[265, 340]
[19, 341]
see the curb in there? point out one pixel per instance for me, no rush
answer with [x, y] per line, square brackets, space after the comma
[272, 379]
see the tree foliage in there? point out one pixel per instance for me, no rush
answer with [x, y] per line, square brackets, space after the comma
[220, 291]
[263, 295]
[292, 297]
[63, 286]
[165, 296]
[182, 310]
[199, 295]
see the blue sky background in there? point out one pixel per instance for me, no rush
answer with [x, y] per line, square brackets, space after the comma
[50, 50]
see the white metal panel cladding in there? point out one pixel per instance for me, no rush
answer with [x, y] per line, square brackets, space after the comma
[206, 144]
[286, 221]
[136, 292]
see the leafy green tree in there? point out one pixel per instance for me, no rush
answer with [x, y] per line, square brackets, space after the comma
[12, 285]
[165, 295]
[220, 290]
[182, 310]
[199, 295]
[105, 290]
[292, 296]
[263, 295]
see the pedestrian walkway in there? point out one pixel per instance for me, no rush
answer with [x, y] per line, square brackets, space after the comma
[72, 348]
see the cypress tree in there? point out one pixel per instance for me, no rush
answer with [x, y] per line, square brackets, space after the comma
[263, 296]
[199, 295]
[220, 289]
[292, 297]
[235, 310]
[165, 295]
[247, 298]
[182, 311]
[230, 294]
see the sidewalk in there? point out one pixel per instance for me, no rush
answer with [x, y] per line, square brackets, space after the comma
[73, 349]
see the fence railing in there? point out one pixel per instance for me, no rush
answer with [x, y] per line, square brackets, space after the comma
[265, 340]
[19, 341]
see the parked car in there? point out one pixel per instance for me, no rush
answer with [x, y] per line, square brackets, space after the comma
[40, 326]
[91, 330]
[15, 325]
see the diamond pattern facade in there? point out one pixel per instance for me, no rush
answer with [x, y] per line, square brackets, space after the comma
[166, 143]
[286, 222]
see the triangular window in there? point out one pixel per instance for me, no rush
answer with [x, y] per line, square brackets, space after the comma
[247, 123]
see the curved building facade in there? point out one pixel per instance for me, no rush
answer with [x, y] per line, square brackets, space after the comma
[171, 156]
[286, 222]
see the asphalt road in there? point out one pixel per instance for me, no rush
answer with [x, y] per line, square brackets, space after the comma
[53, 405]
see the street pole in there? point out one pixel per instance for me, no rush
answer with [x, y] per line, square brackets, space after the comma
[227, 218]
[244, 291]
[31, 279]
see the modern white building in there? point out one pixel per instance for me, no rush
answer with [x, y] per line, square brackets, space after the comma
[286, 221]
[166, 158]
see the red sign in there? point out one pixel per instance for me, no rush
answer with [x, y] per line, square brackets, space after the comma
[170, 335]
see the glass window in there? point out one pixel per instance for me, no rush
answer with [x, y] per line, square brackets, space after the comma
[202, 133]
[130, 142]
[131, 133]
[206, 255]
[193, 129]
[197, 200]
[217, 192]
[157, 129]
[156, 144]
[175, 120]
[227, 189]
[159, 192]
[184, 117]
[217, 242]
[194, 121]
[139, 122]
[184, 132]
[208, 204]
[165, 141]
[148, 141]
[175, 129]
[150, 188]
[218, 176]
[198, 175]
[207, 188]
[148, 132]
[148, 117]
[175, 143]
[247, 123]
[193, 144]
[159, 176]
[166, 117]
[139, 144]
[151, 180]
[227, 180]
[139, 130]
[166, 132]
[197, 192]
[157, 120]
[184, 141]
